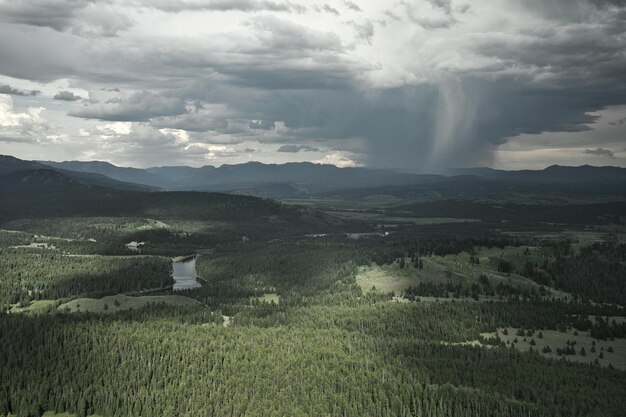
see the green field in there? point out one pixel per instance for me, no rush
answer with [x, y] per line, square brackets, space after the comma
[268, 298]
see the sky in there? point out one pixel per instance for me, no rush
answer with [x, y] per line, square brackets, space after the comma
[414, 85]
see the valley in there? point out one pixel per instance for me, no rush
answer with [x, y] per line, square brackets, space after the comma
[193, 303]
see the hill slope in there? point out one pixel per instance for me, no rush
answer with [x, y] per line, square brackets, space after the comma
[10, 164]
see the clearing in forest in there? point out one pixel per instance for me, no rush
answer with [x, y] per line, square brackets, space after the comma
[36, 306]
[586, 348]
[268, 298]
[121, 302]
[393, 278]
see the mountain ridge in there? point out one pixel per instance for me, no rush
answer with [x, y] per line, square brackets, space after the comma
[552, 173]
[9, 164]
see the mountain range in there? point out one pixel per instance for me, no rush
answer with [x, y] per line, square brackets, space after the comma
[288, 179]
[297, 180]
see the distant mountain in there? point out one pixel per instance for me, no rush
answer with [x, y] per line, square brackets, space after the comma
[253, 178]
[297, 180]
[306, 175]
[129, 175]
[554, 173]
[15, 166]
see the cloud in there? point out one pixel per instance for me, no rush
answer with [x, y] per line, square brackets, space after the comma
[438, 16]
[140, 144]
[66, 96]
[274, 32]
[364, 31]
[337, 159]
[446, 83]
[352, 6]
[297, 148]
[139, 106]
[600, 152]
[463, 8]
[82, 17]
[326, 8]
[224, 5]
[7, 89]
[26, 126]
[196, 121]
[261, 124]
[116, 128]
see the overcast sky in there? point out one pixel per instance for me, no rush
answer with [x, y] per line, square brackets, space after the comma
[418, 85]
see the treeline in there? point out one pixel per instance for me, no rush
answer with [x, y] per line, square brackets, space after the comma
[384, 253]
[476, 290]
[43, 274]
[593, 213]
[598, 272]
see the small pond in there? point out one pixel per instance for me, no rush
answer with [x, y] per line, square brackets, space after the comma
[185, 274]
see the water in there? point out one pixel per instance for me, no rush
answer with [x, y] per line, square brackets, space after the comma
[185, 274]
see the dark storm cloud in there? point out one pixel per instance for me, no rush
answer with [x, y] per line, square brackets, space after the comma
[192, 122]
[57, 14]
[277, 33]
[51, 55]
[7, 89]
[84, 17]
[66, 96]
[138, 107]
[297, 148]
[401, 129]
[278, 73]
[600, 152]
[567, 56]
[273, 58]
[101, 18]
[568, 10]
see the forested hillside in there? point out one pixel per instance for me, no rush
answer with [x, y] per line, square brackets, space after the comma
[140, 364]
